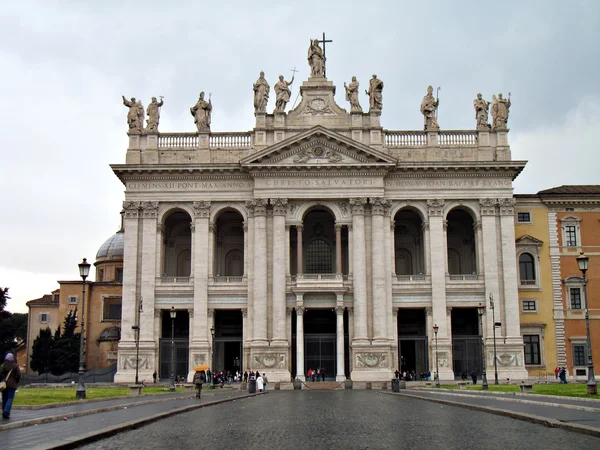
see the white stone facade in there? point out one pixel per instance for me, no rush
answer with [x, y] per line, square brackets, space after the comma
[446, 194]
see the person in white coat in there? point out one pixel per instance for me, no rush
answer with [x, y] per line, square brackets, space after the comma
[259, 384]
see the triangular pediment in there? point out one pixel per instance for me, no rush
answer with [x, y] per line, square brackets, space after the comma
[318, 147]
[528, 240]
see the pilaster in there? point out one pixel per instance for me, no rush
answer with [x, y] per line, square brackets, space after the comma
[279, 278]
[200, 343]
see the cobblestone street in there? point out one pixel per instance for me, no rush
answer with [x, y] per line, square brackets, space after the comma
[342, 419]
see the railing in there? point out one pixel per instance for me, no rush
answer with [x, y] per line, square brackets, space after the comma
[405, 139]
[457, 138]
[224, 279]
[528, 282]
[467, 277]
[419, 277]
[175, 279]
[178, 141]
[318, 276]
[230, 140]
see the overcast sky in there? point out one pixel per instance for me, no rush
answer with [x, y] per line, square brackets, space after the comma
[65, 65]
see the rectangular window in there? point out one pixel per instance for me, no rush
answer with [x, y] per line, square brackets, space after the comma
[73, 299]
[532, 349]
[524, 217]
[529, 305]
[571, 236]
[112, 308]
[44, 317]
[579, 355]
[575, 298]
[100, 275]
[119, 275]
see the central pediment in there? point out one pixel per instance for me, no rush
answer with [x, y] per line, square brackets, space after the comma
[318, 147]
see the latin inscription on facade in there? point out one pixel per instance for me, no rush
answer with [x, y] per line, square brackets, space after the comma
[449, 183]
[188, 185]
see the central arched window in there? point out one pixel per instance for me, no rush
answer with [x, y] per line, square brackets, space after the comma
[526, 269]
[318, 257]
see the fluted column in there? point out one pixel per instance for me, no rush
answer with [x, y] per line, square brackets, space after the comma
[490, 258]
[360, 270]
[299, 263]
[279, 211]
[201, 245]
[300, 341]
[379, 206]
[338, 248]
[339, 311]
[260, 272]
[437, 252]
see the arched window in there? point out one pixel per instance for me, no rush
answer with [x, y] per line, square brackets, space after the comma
[318, 257]
[526, 269]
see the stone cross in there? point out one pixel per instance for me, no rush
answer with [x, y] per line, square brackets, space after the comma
[324, 41]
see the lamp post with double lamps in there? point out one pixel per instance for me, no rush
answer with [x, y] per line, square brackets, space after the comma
[484, 383]
[437, 365]
[173, 314]
[84, 271]
[592, 388]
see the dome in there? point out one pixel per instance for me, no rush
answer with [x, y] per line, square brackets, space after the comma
[112, 248]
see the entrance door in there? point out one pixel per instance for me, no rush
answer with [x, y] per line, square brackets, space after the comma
[178, 328]
[466, 342]
[413, 355]
[320, 353]
[228, 341]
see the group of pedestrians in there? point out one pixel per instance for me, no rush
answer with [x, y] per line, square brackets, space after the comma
[316, 375]
[561, 374]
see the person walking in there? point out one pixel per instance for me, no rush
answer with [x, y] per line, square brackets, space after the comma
[154, 375]
[10, 373]
[259, 383]
[265, 381]
[556, 371]
[474, 377]
[199, 379]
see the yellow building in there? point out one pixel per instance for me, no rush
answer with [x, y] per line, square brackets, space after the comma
[102, 312]
[536, 301]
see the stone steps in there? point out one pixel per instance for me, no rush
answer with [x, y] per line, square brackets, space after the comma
[324, 385]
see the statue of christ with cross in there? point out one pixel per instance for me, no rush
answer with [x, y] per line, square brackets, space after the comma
[316, 57]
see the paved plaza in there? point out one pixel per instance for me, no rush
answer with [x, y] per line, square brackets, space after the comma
[343, 419]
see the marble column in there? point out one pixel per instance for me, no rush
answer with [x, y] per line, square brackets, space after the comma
[244, 364]
[299, 250]
[338, 248]
[394, 315]
[148, 274]
[438, 265]
[279, 211]
[350, 253]
[359, 278]
[390, 267]
[300, 341]
[379, 206]
[249, 257]
[490, 260]
[509, 265]
[200, 273]
[260, 272]
[339, 311]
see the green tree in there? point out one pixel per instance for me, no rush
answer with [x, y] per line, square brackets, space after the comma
[8, 341]
[40, 351]
[64, 354]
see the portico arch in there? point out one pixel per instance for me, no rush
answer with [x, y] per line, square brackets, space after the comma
[229, 243]
[176, 243]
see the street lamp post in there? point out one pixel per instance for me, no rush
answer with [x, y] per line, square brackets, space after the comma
[437, 365]
[84, 271]
[173, 314]
[136, 328]
[582, 262]
[494, 320]
[484, 383]
[212, 376]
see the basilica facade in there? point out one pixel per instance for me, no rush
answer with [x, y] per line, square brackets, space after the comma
[320, 240]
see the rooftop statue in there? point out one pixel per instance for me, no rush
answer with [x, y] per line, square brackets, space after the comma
[283, 93]
[316, 59]
[500, 110]
[261, 94]
[375, 93]
[153, 112]
[481, 112]
[201, 112]
[135, 116]
[429, 107]
[352, 95]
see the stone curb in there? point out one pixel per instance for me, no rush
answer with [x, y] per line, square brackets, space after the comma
[85, 402]
[512, 394]
[551, 423]
[48, 419]
[519, 400]
[115, 429]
